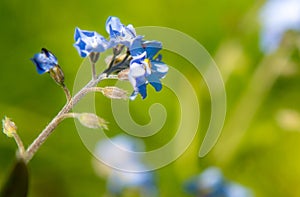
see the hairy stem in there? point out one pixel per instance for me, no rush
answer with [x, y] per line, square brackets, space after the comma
[94, 56]
[67, 93]
[62, 114]
[19, 144]
[93, 71]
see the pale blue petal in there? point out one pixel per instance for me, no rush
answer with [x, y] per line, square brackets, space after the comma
[77, 34]
[131, 30]
[143, 90]
[133, 95]
[89, 41]
[88, 33]
[113, 24]
[44, 61]
[157, 86]
[160, 69]
[138, 59]
[137, 70]
[121, 33]
[152, 48]
[136, 46]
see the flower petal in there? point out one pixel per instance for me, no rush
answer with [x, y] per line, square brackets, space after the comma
[155, 82]
[143, 90]
[44, 61]
[89, 41]
[113, 25]
[157, 86]
[77, 33]
[159, 68]
[131, 30]
[136, 46]
[152, 48]
[118, 32]
[137, 70]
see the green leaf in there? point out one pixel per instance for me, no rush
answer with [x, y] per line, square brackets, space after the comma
[17, 182]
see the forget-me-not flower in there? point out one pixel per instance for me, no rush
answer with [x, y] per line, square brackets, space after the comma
[118, 181]
[118, 32]
[44, 61]
[211, 183]
[141, 56]
[87, 42]
[277, 17]
[145, 67]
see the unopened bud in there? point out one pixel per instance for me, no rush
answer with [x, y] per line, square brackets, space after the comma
[123, 75]
[120, 58]
[94, 57]
[57, 75]
[91, 120]
[118, 49]
[9, 127]
[108, 59]
[114, 92]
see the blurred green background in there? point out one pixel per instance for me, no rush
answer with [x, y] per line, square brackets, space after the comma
[259, 144]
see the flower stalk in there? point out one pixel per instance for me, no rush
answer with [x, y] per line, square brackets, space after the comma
[21, 148]
[10, 129]
[36, 144]
[131, 54]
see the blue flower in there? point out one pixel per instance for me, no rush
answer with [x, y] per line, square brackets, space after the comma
[89, 41]
[119, 33]
[211, 183]
[138, 46]
[277, 17]
[144, 67]
[44, 61]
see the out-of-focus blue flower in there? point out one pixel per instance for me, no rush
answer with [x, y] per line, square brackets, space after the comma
[119, 33]
[237, 190]
[44, 61]
[278, 16]
[143, 182]
[107, 151]
[118, 180]
[89, 41]
[145, 67]
[211, 183]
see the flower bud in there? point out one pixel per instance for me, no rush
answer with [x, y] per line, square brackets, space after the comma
[94, 57]
[44, 61]
[9, 127]
[108, 59]
[118, 49]
[91, 120]
[114, 92]
[57, 75]
[123, 74]
[121, 58]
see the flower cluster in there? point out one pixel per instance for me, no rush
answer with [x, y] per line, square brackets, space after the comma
[141, 57]
[145, 66]
[211, 183]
